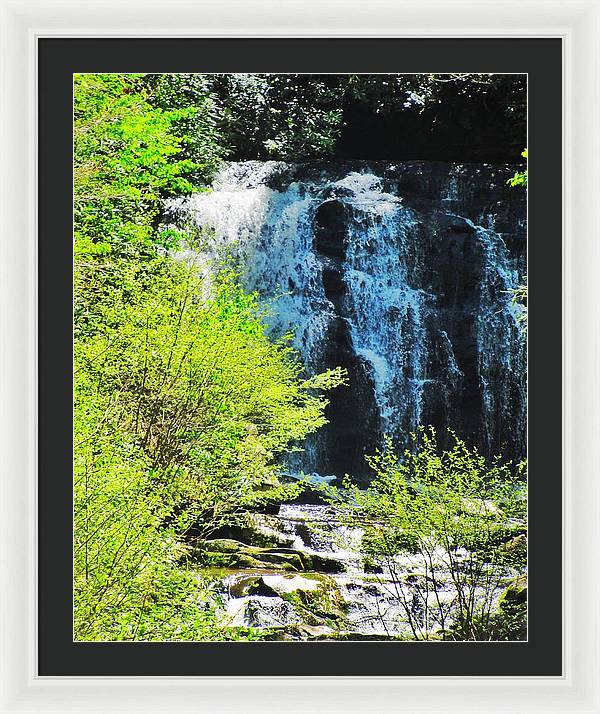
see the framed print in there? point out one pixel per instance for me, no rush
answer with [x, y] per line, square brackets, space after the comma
[334, 449]
[299, 367]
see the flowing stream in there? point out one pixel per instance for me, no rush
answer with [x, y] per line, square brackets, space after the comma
[354, 598]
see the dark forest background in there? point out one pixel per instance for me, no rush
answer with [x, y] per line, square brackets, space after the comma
[441, 117]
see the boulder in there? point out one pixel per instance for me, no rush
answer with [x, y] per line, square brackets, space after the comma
[515, 551]
[257, 529]
[230, 553]
[315, 598]
[311, 561]
[515, 593]
[260, 612]
[515, 544]
[263, 530]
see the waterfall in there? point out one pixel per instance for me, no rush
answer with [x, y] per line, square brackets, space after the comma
[401, 273]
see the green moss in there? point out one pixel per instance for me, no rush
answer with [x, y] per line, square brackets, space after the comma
[321, 605]
[228, 553]
[515, 593]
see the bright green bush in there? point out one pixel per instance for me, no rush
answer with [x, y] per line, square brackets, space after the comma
[127, 585]
[520, 177]
[182, 403]
[127, 156]
[202, 140]
[207, 390]
[454, 514]
[130, 575]
[182, 407]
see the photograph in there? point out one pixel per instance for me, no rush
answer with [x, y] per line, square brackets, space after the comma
[300, 357]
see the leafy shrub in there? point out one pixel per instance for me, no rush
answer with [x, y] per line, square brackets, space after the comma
[182, 403]
[453, 513]
[127, 156]
[182, 406]
[198, 125]
[127, 585]
[520, 177]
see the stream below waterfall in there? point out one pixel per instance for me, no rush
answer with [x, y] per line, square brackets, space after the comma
[353, 599]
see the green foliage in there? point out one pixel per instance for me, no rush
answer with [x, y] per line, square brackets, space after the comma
[297, 117]
[453, 513]
[182, 406]
[182, 403]
[198, 121]
[127, 585]
[208, 391]
[126, 159]
[519, 294]
[290, 117]
[282, 116]
[520, 177]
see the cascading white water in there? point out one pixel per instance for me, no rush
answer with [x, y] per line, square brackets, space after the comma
[365, 597]
[386, 270]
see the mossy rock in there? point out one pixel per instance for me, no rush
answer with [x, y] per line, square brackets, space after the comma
[315, 597]
[323, 564]
[244, 585]
[322, 604]
[372, 566]
[293, 561]
[310, 561]
[261, 530]
[229, 553]
[221, 545]
[228, 560]
[519, 541]
[515, 593]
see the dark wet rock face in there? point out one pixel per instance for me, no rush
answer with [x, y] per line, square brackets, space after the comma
[353, 416]
[400, 273]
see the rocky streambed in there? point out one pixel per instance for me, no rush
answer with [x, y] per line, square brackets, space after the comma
[300, 575]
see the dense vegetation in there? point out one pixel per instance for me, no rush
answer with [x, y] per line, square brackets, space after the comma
[183, 404]
[520, 292]
[455, 117]
[464, 522]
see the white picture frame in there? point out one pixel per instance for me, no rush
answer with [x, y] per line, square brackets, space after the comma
[22, 22]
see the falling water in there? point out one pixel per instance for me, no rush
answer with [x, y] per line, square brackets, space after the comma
[401, 273]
